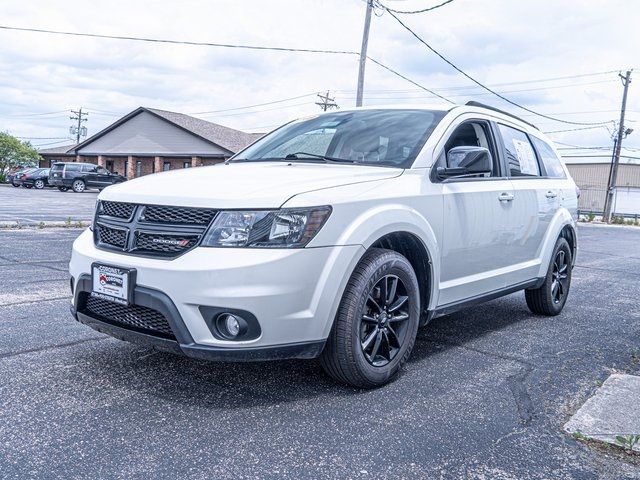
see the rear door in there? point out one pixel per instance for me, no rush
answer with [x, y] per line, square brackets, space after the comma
[535, 202]
[477, 241]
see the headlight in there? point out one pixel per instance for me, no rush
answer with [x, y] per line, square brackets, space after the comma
[288, 228]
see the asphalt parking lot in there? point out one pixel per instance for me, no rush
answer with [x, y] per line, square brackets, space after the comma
[31, 206]
[485, 394]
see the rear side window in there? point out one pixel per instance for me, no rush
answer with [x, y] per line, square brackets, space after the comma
[73, 168]
[521, 157]
[550, 160]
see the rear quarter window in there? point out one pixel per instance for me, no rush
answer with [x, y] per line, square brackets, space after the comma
[550, 160]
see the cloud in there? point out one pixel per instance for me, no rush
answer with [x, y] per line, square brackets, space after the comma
[497, 42]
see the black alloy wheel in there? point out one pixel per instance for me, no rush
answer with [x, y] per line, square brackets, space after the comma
[560, 283]
[549, 298]
[383, 326]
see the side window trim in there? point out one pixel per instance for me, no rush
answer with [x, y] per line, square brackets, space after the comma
[497, 157]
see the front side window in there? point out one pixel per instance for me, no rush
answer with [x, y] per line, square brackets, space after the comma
[471, 134]
[550, 160]
[381, 137]
[521, 157]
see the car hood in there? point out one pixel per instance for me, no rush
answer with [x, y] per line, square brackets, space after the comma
[241, 185]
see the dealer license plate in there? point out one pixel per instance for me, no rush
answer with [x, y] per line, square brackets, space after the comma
[113, 283]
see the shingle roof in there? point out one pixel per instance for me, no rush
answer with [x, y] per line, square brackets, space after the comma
[64, 149]
[228, 138]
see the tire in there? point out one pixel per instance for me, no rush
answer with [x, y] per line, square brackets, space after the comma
[552, 295]
[26, 186]
[345, 356]
[15, 185]
[79, 186]
[39, 184]
[63, 189]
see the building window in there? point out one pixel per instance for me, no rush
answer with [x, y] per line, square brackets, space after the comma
[126, 168]
[166, 166]
[138, 168]
[186, 164]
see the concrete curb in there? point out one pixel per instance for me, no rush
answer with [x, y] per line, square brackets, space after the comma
[33, 224]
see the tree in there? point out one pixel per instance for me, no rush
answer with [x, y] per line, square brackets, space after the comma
[15, 153]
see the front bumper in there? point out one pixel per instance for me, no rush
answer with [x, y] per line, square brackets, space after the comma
[294, 294]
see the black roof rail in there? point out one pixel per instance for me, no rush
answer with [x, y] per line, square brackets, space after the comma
[473, 103]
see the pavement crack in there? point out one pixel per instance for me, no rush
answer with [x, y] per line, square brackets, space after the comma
[24, 302]
[516, 382]
[51, 347]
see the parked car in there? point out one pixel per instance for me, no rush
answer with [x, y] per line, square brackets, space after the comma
[15, 178]
[334, 236]
[38, 178]
[80, 176]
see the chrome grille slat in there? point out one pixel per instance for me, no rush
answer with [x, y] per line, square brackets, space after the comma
[150, 230]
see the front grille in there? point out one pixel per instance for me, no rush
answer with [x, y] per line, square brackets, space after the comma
[150, 230]
[163, 214]
[117, 209]
[162, 243]
[135, 317]
[115, 237]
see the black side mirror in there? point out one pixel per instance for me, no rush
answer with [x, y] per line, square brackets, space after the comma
[462, 161]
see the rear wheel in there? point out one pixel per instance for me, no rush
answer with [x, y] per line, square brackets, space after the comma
[14, 184]
[39, 184]
[377, 321]
[78, 186]
[63, 189]
[550, 298]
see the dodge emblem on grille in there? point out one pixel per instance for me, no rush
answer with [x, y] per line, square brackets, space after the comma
[168, 241]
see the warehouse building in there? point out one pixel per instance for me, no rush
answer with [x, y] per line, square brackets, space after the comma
[149, 140]
[591, 174]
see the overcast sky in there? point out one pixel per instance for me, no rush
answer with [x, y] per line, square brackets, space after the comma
[500, 42]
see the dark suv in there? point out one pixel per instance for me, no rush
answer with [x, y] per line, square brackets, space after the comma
[80, 176]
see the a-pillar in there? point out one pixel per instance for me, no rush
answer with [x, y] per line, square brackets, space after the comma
[196, 162]
[157, 164]
[131, 167]
[102, 162]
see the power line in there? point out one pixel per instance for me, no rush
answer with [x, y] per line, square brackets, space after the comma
[409, 80]
[176, 42]
[413, 11]
[326, 102]
[480, 84]
[52, 143]
[44, 138]
[256, 105]
[574, 129]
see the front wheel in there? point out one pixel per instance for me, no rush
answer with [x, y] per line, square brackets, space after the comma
[39, 184]
[550, 297]
[15, 184]
[79, 186]
[375, 328]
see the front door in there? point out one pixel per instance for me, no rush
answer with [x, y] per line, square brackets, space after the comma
[477, 238]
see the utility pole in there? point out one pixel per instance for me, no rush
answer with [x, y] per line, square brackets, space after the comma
[363, 53]
[78, 130]
[608, 203]
[326, 102]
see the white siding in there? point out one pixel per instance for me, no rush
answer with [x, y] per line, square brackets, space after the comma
[146, 134]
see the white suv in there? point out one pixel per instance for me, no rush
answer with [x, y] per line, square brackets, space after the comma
[335, 236]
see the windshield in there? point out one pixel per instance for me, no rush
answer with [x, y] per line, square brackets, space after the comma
[384, 137]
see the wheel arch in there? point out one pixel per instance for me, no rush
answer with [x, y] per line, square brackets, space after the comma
[414, 250]
[563, 226]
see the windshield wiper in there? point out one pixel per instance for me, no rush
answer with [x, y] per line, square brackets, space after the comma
[326, 158]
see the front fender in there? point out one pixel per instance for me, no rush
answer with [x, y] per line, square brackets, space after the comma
[378, 221]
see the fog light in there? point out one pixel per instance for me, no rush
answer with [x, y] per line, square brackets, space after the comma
[231, 326]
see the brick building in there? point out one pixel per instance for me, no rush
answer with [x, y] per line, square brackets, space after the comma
[149, 140]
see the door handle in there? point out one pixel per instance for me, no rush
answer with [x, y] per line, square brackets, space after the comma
[551, 194]
[505, 197]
